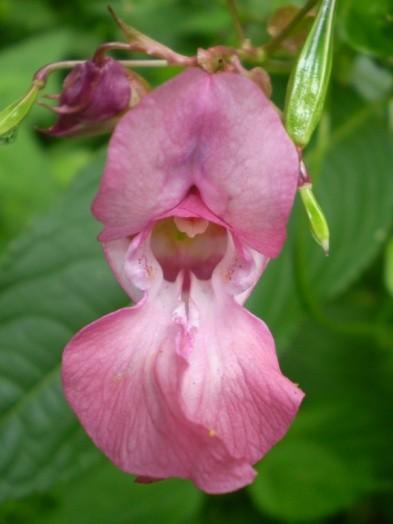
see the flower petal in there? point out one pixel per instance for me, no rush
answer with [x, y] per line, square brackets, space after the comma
[233, 384]
[117, 251]
[147, 171]
[122, 376]
[248, 166]
[217, 132]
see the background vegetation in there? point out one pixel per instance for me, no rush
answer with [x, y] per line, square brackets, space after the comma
[331, 317]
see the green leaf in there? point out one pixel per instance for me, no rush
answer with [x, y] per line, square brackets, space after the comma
[353, 183]
[275, 299]
[368, 26]
[19, 62]
[53, 281]
[302, 481]
[26, 183]
[370, 80]
[339, 446]
[354, 186]
[106, 495]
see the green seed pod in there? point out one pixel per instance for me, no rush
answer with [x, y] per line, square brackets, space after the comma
[310, 78]
[318, 222]
[12, 116]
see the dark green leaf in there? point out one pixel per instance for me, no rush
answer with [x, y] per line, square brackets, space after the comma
[339, 446]
[354, 186]
[302, 481]
[107, 496]
[368, 26]
[53, 282]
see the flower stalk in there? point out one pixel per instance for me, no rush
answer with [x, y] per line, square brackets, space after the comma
[233, 11]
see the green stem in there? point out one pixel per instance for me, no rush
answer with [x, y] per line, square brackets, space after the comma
[231, 4]
[42, 74]
[275, 43]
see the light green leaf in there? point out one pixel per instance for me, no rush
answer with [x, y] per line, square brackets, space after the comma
[26, 182]
[19, 62]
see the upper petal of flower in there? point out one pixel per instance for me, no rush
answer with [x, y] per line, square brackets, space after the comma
[216, 132]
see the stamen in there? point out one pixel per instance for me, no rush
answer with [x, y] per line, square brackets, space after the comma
[191, 226]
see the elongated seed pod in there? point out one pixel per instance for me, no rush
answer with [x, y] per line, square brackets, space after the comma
[310, 78]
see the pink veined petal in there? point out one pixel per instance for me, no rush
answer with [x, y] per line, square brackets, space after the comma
[122, 376]
[216, 132]
[247, 165]
[147, 171]
[115, 254]
[134, 264]
[233, 384]
[239, 270]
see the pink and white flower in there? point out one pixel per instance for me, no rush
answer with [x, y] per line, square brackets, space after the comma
[198, 186]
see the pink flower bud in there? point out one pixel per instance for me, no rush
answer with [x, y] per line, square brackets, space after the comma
[95, 94]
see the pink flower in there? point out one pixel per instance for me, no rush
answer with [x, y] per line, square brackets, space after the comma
[198, 186]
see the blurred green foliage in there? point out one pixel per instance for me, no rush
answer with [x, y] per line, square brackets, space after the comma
[331, 317]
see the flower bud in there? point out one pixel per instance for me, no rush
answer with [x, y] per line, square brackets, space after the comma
[318, 223]
[15, 113]
[95, 94]
[310, 78]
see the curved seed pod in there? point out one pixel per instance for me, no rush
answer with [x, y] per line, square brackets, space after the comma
[310, 78]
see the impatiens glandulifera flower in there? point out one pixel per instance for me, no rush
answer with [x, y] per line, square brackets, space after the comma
[199, 182]
[95, 94]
